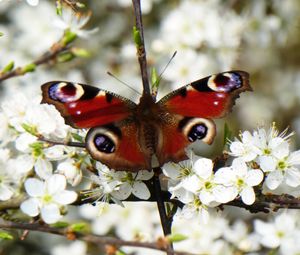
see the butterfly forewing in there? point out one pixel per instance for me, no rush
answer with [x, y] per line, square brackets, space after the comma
[210, 97]
[85, 106]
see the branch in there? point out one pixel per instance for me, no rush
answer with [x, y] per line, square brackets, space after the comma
[66, 143]
[46, 58]
[140, 44]
[90, 238]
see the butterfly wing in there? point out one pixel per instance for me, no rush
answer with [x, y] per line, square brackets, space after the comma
[189, 111]
[85, 106]
[113, 138]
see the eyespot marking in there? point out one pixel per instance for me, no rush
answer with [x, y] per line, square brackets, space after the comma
[225, 82]
[65, 92]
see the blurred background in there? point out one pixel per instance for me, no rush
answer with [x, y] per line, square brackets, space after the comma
[261, 37]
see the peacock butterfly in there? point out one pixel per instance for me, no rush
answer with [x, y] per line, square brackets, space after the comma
[126, 136]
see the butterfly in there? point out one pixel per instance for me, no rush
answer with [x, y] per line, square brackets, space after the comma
[128, 136]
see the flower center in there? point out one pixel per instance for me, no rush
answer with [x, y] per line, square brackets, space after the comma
[47, 198]
[240, 182]
[282, 165]
[267, 151]
[185, 171]
[280, 234]
[208, 185]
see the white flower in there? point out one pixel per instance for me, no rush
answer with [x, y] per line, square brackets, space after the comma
[75, 248]
[106, 183]
[47, 198]
[194, 209]
[33, 2]
[177, 174]
[238, 234]
[202, 184]
[71, 170]
[133, 183]
[282, 170]
[74, 22]
[245, 148]
[240, 180]
[270, 143]
[280, 232]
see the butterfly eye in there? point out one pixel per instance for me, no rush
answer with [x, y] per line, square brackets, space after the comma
[104, 144]
[198, 129]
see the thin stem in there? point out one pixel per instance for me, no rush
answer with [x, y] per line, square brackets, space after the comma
[141, 52]
[165, 222]
[90, 238]
[66, 143]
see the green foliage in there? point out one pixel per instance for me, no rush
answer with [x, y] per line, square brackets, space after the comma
[80, 227]
[137, 37]
[6, 236]
[29, 68]
[8, 67]
[176, 237]
[228, 135]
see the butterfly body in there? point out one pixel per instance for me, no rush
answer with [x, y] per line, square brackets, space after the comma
[129, 136]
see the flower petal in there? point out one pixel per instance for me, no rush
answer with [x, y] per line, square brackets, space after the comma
[224, 176]
[30, 207]
[65, 197]
[140, 190]
[248, 195]
[50, 213]
[254, 177]
[43, 168]
[203, 167]
[292, 176]
[34, 187]
[56, 183]
[5, 192]
[274, 179]
[144, 175]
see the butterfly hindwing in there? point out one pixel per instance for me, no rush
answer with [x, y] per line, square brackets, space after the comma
[210, 97]
[118, 146]
[85, 106]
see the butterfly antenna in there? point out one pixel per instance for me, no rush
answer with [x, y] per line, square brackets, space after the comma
[128, 86]
[165, 68]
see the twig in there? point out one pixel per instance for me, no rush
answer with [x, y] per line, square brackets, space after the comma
[66, 143]
[96, 239]
[141, 52]
[47, 57]
[161, 206]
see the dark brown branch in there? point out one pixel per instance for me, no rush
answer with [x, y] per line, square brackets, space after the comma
[90, 238]
[141, 52]
[47, 57]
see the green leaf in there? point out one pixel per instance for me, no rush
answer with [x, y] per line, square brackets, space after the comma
[58, 8]
[28, 68]
[8, 67]
[1, 34]
[80, 52]
[119, 252]
[65, 57]
[137, 37]
[69, 37]
[176, 237]
[6, 236]
[154, 78]
[227, 134]
[30, 129]
[60, 224]
[77, 137]
[80, 227]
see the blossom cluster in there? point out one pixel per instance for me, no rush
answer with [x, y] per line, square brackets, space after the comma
[260, 159]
